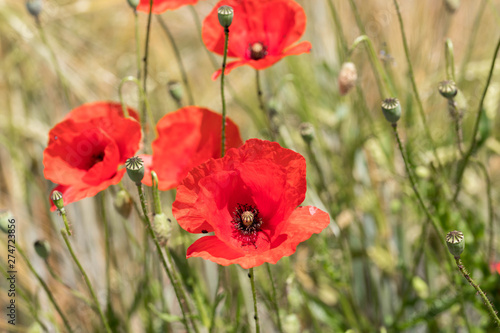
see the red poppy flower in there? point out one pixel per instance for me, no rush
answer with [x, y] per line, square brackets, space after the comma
[262, 32]
[187, 138]
[87, 147]
[161, 6]
[249, 200]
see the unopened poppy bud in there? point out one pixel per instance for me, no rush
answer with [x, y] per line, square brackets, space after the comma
[42, 248]
[225, 15]
[391, 109]
[133, 3]
[5, 216]
[57, 199]
[455, 242]
[135, 169]
[452, 5]
[123, 203]
[162, 228]
[175, 90]
[448, 89]
[307, 132]
[34, 7]
[347, 78]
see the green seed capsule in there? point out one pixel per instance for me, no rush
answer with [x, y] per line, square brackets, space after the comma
[391, 109]
[225, 15]
[455, 242]
[42, 248]
[448, 89]
[135, 169]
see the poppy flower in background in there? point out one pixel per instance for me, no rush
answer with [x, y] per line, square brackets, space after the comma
[262, 32]
[86, 149]
[161, 6]
[187, 138]
[249, 200]
[495, 267]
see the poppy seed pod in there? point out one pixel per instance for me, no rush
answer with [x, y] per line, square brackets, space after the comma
[5, 216]
[123, 203]
[175, 90]
[455, 242]
[307, 132]
[42, 248]
[452, 5]
[347, 78]
[34, 7]
[133, 3]
[448, 89]
[57, 199]
[225, 15]
[391, 109]
[135, 169]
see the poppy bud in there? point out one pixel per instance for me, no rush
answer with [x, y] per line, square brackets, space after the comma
[135, 169]
[455, 242]
[347, 78]
[162, 228]
[123, 203]
[133, 3]
[307, 132]
[57, 199]
[447, 89]
[225, 15]
[42, 248]
[5, 216]
[452, 5]
[175, 90]
[34, 7]
[391, 109]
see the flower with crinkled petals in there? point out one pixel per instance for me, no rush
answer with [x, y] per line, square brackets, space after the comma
[249, 200]
[262, 32]
[161, 6]
[86, 149]
[186, 138]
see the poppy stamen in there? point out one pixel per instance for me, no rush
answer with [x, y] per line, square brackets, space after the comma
[246, 224]
[257, 51]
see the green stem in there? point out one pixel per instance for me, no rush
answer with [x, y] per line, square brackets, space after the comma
[338, 26]
[178, 57]
[160, 253]
[414, 84]
[275, 299]
[223, 74]
[263, 108]
[65, 220]
[76, 293]
[61, 78]
[384, 84]
[470, 42]
[472, 147]
[145, 61]
[359, 21]
[413, 182]
[106, 246]
[87, 280]
[254, 295]
[486, 301]
[46, 288]
[137, 45]
[144, 100]
[457, 117]
[491, 214]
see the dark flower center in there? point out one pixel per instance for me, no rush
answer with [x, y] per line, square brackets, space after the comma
[257, 51]
[246, 224]
[96, 158]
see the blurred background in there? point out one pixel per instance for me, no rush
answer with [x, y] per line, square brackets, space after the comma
[376, 268]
